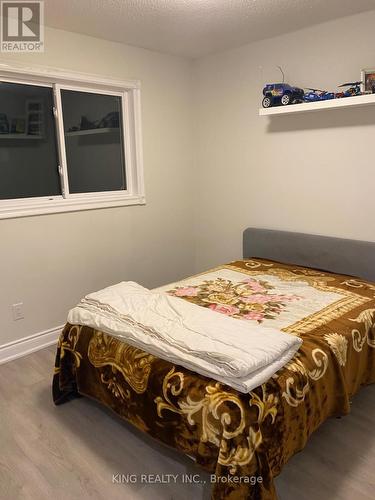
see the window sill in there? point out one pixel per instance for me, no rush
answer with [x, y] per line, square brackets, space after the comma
[43, 206]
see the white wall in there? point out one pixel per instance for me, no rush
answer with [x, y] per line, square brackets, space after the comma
[312, 172]
[49, 262]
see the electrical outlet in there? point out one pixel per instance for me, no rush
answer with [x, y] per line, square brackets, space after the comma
[18, 311]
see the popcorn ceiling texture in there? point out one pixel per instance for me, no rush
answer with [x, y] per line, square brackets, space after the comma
[193, 28]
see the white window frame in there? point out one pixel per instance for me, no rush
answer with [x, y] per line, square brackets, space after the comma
[129, 91]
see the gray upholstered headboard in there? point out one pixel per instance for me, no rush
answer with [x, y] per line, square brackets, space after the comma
[353, 257]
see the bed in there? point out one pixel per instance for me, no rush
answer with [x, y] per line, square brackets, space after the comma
[318, 288]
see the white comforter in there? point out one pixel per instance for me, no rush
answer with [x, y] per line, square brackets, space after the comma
[233, 351]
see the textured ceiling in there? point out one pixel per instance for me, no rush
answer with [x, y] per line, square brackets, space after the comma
[193, 28]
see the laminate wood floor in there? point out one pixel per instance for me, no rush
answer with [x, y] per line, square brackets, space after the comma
[70, 452]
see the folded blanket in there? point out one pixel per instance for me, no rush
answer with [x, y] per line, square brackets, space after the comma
[233, 351]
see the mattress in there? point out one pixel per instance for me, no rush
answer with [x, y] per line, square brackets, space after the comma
[237, 436]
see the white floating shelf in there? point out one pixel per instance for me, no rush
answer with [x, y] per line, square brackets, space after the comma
[91, 131]
[343, 102]
[20, 136]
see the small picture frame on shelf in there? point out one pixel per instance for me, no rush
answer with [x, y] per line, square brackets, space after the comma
[18, 126]
[368, 80]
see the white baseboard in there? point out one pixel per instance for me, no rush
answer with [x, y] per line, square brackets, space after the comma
[30, 344]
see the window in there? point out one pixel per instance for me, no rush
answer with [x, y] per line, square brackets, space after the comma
[28, 152]
[93, 141]
[68, 142]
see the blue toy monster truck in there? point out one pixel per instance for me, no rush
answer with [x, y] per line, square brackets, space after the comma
[281, 93]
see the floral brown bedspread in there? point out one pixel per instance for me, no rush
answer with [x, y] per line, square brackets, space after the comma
[245, 439]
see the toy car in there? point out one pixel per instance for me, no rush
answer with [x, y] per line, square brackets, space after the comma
[281, 93]
[353, 90]
[314, 95]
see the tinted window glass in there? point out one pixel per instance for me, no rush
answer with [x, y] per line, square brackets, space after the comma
[93, 141]
[28, 153]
